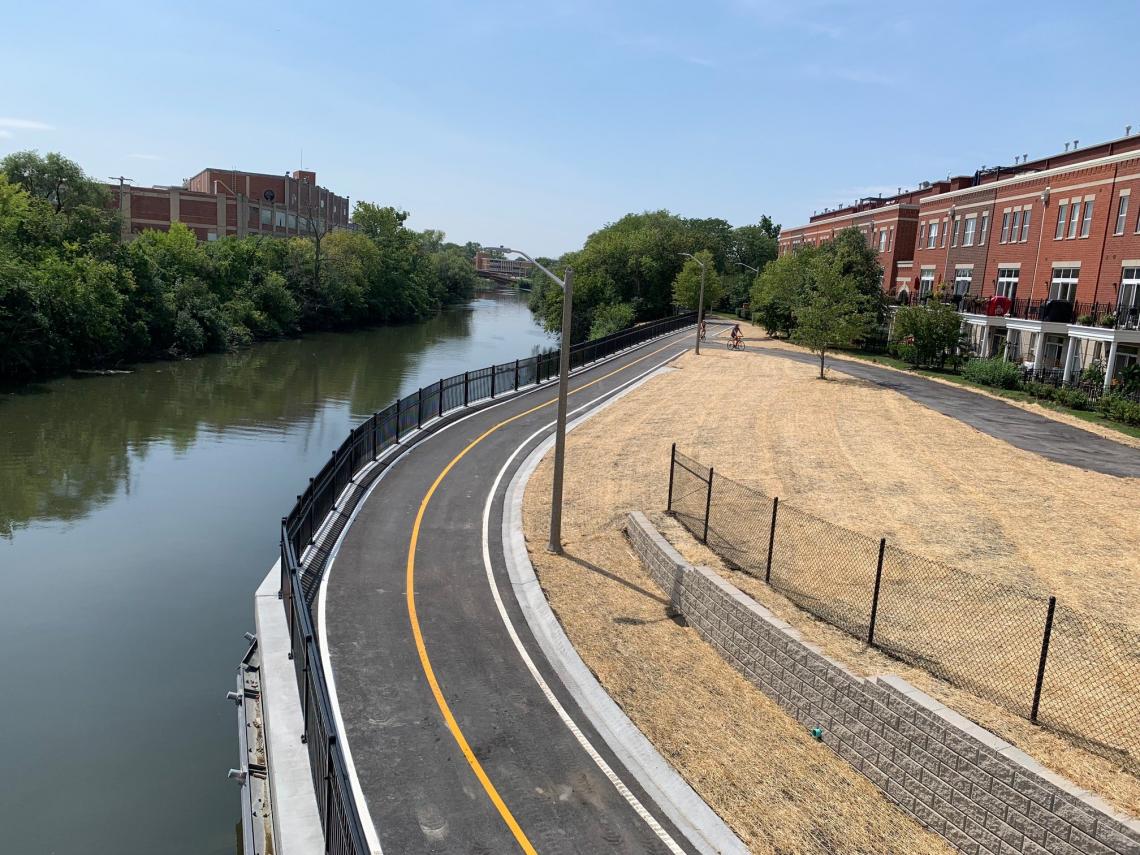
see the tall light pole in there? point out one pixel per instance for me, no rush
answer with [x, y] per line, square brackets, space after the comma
[749, 266]
[700, 300]
[555, 544]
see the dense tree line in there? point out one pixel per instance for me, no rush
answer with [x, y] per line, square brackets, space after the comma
[74, 295]
[635, 270]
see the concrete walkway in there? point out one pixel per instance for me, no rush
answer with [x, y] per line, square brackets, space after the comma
[1050, 438]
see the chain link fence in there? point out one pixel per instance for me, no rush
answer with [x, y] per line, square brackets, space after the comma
[1075, 673]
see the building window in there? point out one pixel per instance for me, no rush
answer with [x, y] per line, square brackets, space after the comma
[968, 235]
[932, 235]
[947, 224]
[962, 279]
[1086, 223]
[890, 238]
[922, 232]
[1015, 226]
[1007, 281]
[1121, 215]
[957, 227]
[984, 228]
[1129, 291]
[1025, 226]
[293, 221]
[1005, 227]
[279, 219]
[1064, 284]
[1074, 219]
[926, 283]
[1061, 209]
[882, 240]
[267, 216]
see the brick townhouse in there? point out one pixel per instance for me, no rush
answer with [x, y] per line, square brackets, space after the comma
[219, 202]
[1042, 259]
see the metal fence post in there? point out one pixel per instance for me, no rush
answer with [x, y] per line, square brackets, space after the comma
[420, 408]
[398, 402]
[1044, 658]
[708, 507]
[875, 596]
[672, 466]
[494, 374]
[771, 540]
[439, 397]
[465, 388]
[516, 375]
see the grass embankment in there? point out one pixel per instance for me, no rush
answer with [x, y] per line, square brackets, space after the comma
[859, 455]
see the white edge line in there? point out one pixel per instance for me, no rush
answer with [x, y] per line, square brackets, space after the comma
[613, 777]
[397, 453]
[702, 827]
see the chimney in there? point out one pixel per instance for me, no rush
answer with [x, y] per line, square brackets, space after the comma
[1075, 143]
[1025, 158]
[1128, 130]
[1066, 146]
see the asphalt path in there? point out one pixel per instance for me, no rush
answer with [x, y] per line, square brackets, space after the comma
[455, 746]
[1039, 434]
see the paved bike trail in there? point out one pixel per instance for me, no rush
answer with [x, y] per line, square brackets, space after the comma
[1050, 438]
[422, 792]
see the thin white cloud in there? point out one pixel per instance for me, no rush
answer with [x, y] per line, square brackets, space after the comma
[144, 156]
[653, 43]
[863, 76]
[5, 135]
[24, 124]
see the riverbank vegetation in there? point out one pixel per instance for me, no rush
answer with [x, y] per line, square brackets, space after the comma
[73, 294]
[634, 270]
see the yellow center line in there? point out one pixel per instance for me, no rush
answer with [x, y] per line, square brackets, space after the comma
[429, 672]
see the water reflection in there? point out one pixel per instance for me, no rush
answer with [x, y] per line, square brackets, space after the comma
[70, 445]
[138, 515]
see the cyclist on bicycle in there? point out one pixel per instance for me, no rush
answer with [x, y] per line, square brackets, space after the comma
[737, 335]
[702, 333]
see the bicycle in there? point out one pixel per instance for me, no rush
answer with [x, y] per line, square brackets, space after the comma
[735, 344]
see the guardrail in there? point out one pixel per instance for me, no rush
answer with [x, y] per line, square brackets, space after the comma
[303, 560]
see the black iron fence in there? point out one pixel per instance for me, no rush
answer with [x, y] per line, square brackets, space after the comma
[1073, 672]
[303, 559]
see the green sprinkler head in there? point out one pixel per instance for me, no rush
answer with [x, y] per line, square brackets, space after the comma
[817, 733]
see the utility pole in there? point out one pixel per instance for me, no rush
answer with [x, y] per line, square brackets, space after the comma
[700, 300]
[123, 181]
[124, 225]
[555, 544]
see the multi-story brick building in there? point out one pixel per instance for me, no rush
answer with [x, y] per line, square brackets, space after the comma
[497, 266]
[889, 224]
[219, 202]
[1042, 258]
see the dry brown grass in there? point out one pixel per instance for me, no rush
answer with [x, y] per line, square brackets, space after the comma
[861, 456]
[781, 791]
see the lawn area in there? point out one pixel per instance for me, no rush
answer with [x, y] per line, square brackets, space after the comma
[858, 455]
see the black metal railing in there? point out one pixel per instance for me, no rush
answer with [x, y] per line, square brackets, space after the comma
[1072, 672]
[303, 559]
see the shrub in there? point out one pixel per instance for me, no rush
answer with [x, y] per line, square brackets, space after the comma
[993, 372]
[926, 334]
[1074, 399]
[1094, 373]
[1119, 408]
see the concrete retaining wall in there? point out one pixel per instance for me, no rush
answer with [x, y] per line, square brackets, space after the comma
[976, 790]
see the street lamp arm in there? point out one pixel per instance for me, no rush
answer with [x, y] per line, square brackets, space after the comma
[505, 250]
[697, 260]
[749, 266]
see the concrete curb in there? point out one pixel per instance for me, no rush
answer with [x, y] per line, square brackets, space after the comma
[702, 827]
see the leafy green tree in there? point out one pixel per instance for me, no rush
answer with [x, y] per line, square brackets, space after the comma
[858, 262]
[54, 178]
[779, 288]
[611, 319]
[926, 335]
[687, 285]
[833, 312]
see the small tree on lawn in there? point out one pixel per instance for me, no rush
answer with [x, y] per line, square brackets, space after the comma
[833, 312]
[687, 285]
[924, 335]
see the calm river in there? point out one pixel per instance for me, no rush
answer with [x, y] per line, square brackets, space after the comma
[138, 513]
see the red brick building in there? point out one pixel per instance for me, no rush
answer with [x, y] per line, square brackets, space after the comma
[1041, 258]
[219, 202]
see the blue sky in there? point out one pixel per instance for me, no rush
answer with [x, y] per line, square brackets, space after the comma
[534, 123]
